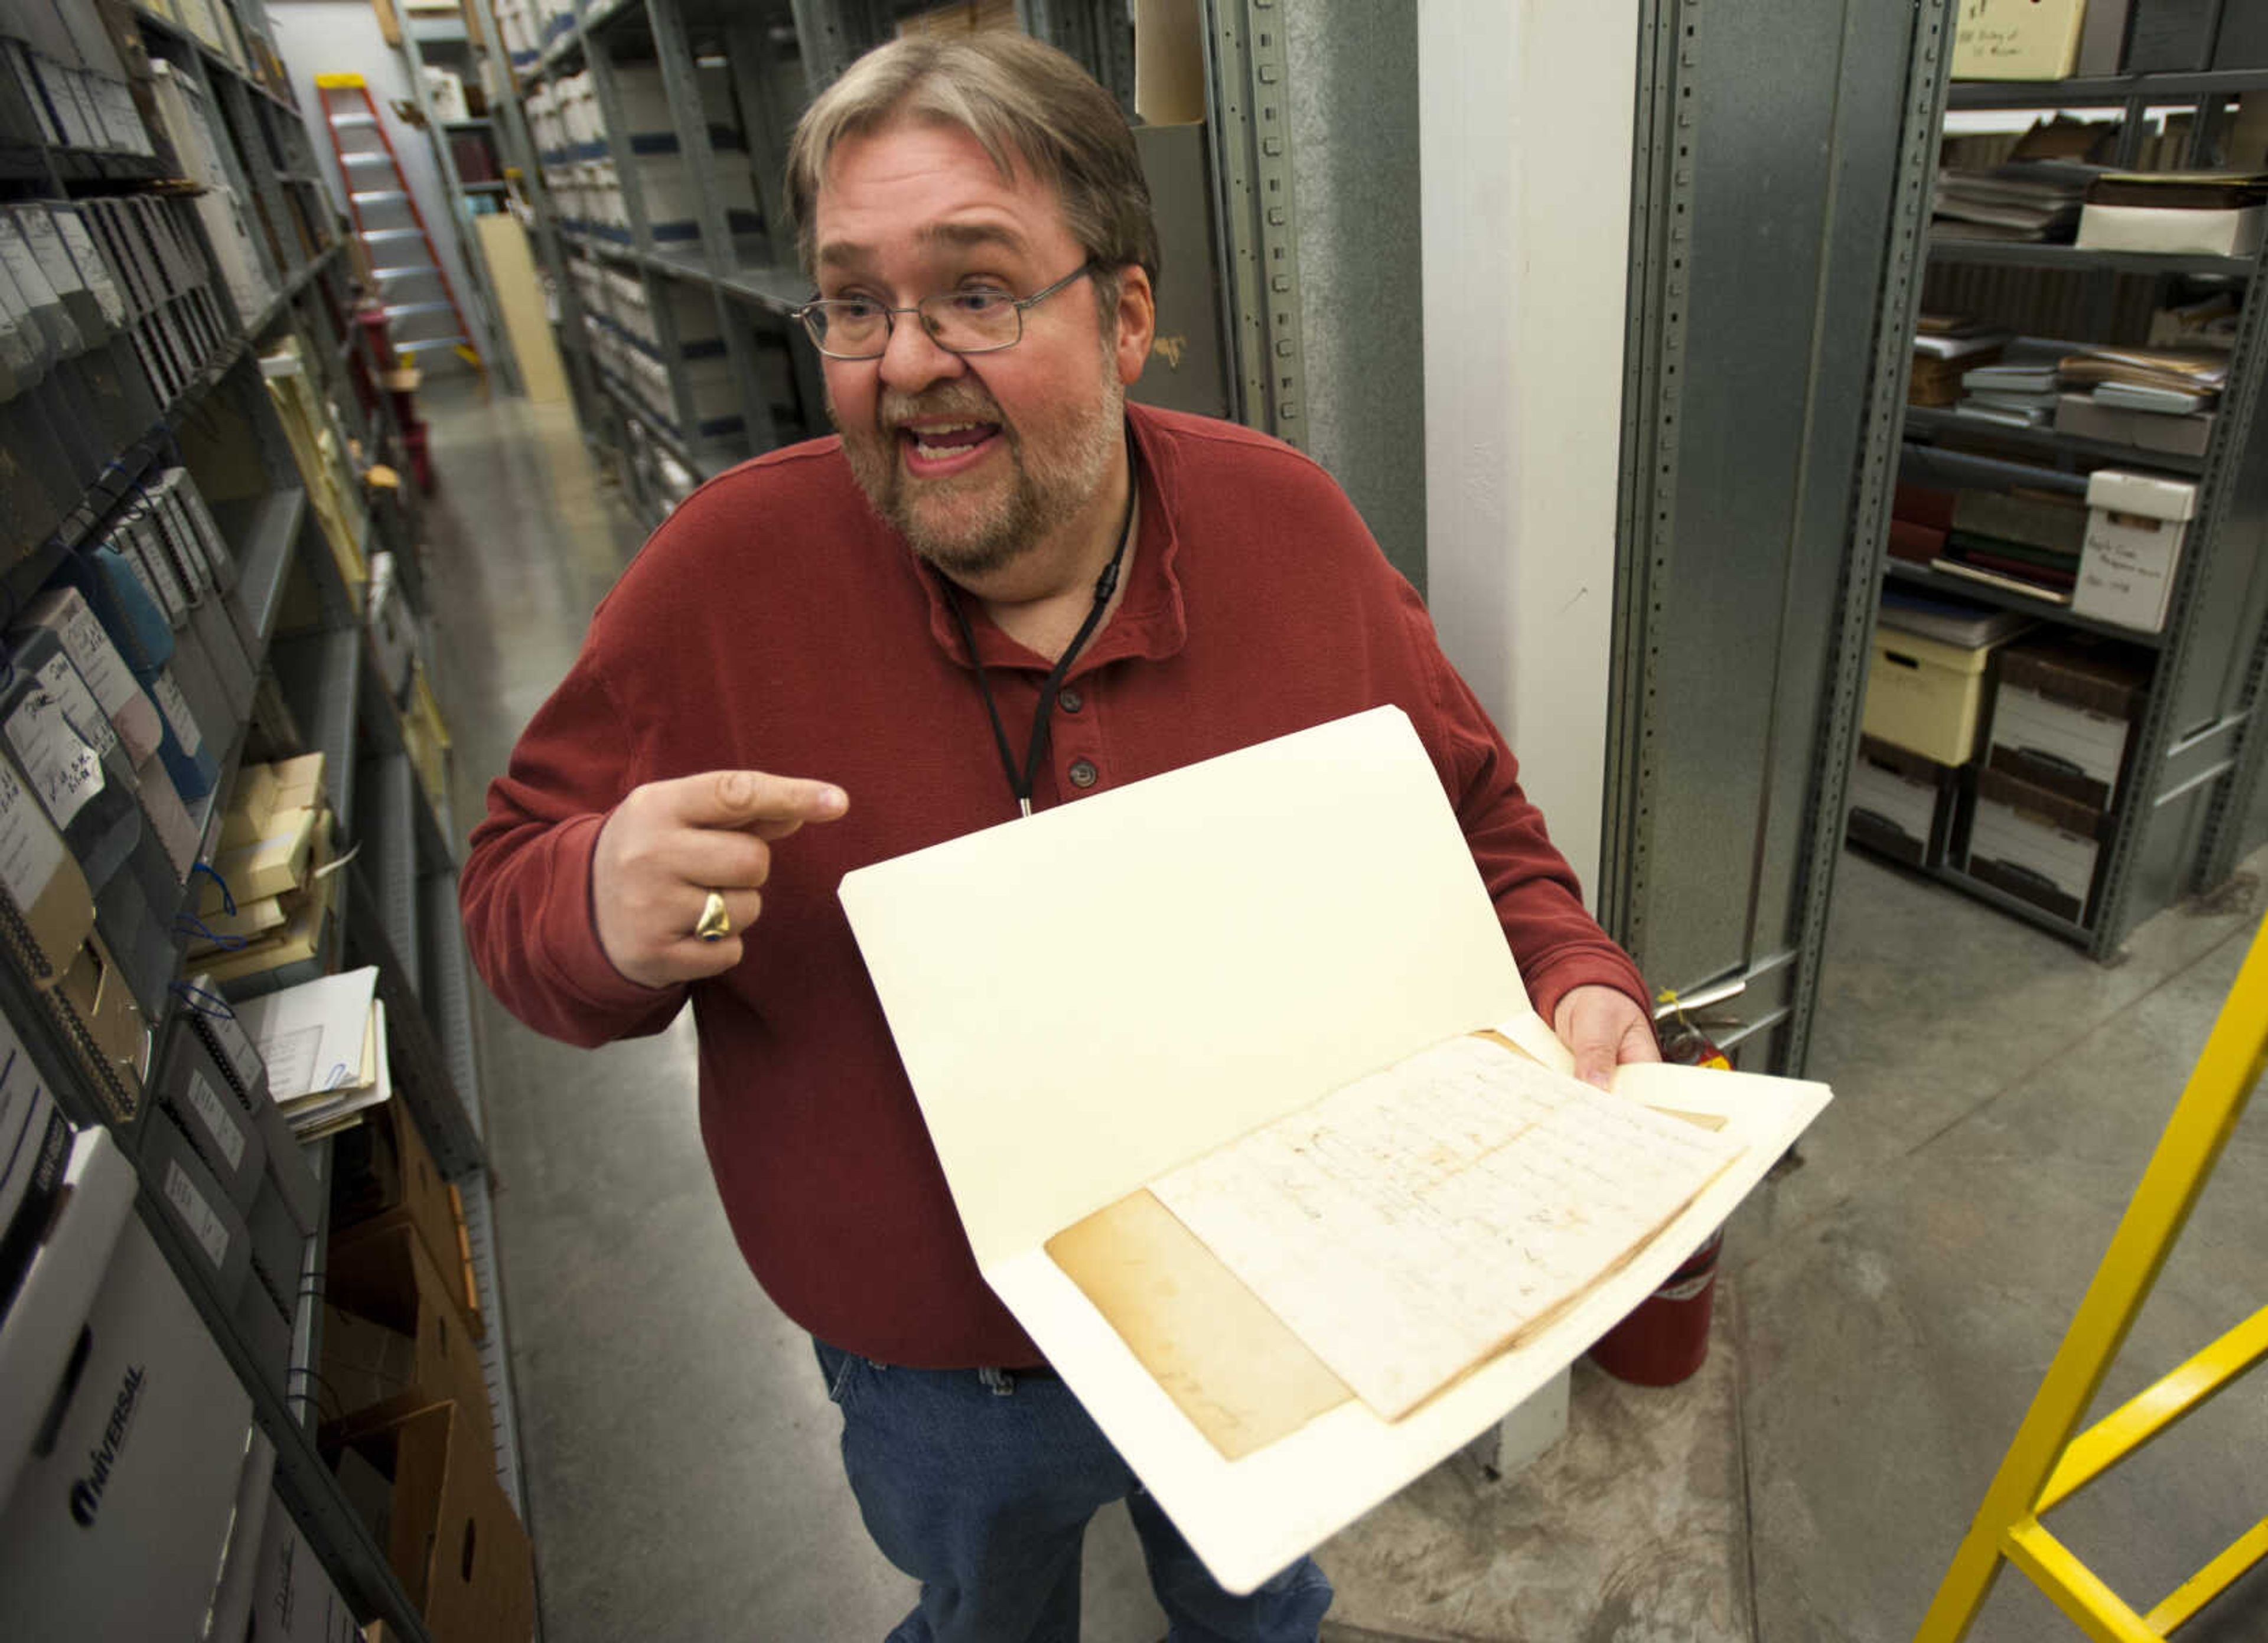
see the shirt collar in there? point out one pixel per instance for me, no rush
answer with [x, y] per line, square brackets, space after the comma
[1151, 621]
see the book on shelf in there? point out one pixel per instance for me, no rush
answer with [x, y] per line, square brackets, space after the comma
[2006, 584]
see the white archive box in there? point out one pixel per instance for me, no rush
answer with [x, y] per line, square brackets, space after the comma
[1230, 1000]
[2135, 527]
[151, 1428]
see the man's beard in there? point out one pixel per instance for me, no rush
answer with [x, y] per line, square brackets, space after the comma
[969, 532]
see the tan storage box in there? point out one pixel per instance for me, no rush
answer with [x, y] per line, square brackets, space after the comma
[1924, 696]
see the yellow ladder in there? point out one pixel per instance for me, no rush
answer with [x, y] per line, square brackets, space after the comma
[2047, 1463]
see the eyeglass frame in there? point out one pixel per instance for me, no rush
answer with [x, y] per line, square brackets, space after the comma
[818, 305]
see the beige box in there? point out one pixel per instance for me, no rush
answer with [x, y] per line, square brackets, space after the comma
[1924, 694]
[2225, 234]
[2017, 39]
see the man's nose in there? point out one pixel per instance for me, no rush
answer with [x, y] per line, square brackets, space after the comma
[911, 360]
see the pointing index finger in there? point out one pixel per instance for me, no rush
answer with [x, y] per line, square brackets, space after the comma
[770, 806]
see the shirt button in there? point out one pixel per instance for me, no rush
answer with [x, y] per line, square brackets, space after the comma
[1069, 700]
[1082, 774]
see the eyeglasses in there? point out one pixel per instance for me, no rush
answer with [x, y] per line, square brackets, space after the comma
[981, 320]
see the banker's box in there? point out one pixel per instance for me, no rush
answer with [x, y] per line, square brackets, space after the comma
[117, 1522]
[1924, 694]
[2135, 527]
[293, 1599]
[2063, 713]
[1901, 803]
[2035, 845]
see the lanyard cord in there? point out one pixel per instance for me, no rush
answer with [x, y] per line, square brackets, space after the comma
[1019, 783]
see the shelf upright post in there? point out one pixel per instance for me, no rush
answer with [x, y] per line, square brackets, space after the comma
[749, 47]
[2207, 549]
[825, 40]
[1248, 109]
[680, 79]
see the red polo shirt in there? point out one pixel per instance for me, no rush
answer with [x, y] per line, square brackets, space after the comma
[774, 623]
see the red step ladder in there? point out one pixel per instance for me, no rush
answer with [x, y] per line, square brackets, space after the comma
[419, 304]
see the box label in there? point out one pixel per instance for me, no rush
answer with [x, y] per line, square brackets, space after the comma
[196, 1214]
[91, 268]
[96, 658]
[64, 769]
[176, 709]
[226, 1133]
[30, 848]
[47, 248]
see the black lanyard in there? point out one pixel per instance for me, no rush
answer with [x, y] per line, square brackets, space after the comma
[1019, 783]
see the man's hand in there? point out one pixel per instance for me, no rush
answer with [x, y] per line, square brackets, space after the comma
[669, 844]
[1605, 1027]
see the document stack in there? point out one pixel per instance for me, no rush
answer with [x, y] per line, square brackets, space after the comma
[319, 450]
[264, 916]
[323, 1043]
[2155, 399]
[2034, 200]
[1945, 346]
[2018, 388]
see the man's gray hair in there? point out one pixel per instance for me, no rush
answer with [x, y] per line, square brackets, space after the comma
[1025, 102]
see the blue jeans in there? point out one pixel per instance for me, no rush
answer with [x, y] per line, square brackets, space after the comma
[979, 1483]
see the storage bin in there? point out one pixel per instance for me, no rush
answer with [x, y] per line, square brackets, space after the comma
[2062, 715]
[1901, 803]
[2035, 845]
[1924, 696]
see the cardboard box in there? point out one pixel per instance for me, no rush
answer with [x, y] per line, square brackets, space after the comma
[2061, 716]
[2017, 39]
[382, 1176]
[2135, 526]
[141, 1477]
[1924, 696]
[407, 1344]
[453, 1539]
[1901, 803]
[2035, 845]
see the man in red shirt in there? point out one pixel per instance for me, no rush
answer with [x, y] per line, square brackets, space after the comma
[1000, 589]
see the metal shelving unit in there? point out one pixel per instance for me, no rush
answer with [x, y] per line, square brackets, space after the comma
[2175, 823]
[222, 426]
[759, 71]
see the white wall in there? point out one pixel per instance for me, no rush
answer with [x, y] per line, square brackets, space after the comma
[342, 37]
[1525, 141]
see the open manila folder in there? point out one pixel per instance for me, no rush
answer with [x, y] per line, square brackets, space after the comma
[1098, 1000]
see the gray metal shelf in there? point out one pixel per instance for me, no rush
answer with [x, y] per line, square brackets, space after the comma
[307, 1322]
[2103, 90]
[262, 532]
[2020, 254]
[321, 678]
[473, 1192]
[1922, 579]
[385, 828]
[1937, 423]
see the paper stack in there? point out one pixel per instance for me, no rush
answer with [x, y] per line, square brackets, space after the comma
[1946, 345]
[271, 887]
[2190, 213]
[2022, 541]
[2156, 399]
[324, 1043]
[2032, 201]
[2019, 388]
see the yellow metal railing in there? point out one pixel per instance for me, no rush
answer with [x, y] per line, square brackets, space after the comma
[2050, 1457]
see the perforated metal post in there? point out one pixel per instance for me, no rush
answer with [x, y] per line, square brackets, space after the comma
[1247, 67]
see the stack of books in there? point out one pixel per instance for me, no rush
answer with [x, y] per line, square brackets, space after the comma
[2034, 200]
[269, 894]
[2018, 388]
[2020, 541]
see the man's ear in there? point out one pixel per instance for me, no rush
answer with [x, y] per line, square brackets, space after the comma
[1138, 322]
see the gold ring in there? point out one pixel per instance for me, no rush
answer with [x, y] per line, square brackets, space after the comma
[715, 924]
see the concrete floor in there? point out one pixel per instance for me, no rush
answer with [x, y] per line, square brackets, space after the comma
[1885, 1313]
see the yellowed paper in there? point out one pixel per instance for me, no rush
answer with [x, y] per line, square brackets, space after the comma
[1417, 1221]
[1229, 1364]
